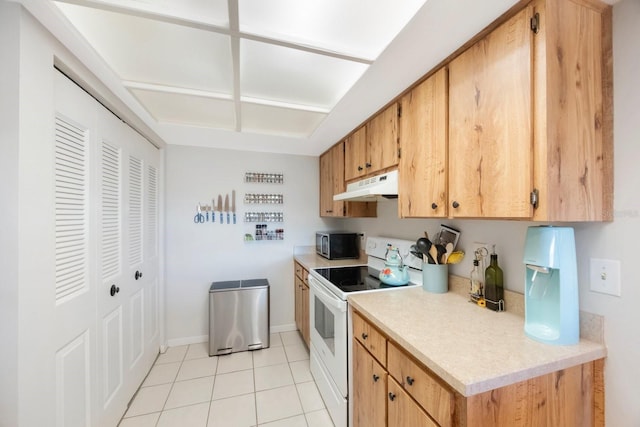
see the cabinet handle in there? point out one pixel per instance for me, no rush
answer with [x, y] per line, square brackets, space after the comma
[331, 211]
[434, 206]
[410, 380]
[114, 290]
[368, 165]
[364, 336]
[375, 378]
[138, 275]
[392, 396]
[360, 168]
[455, 204]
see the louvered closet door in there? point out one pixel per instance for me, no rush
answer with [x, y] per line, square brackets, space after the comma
[106, 230]
[75, 337]
[123, 323]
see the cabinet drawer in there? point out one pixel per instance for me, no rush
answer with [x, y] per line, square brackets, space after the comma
[301, 272]
[370, 338]
[422, 385]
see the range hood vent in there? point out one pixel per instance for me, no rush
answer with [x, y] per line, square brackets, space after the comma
[372, 188]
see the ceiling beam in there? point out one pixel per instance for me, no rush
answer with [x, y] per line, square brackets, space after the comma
[234, 27]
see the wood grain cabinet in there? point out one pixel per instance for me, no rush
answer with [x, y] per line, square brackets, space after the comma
[301, 294]
[530, 117]
[374, 147]
[332, 182]
[422, 171]
[415, 396]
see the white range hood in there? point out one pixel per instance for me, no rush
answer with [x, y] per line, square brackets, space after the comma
[372, 188]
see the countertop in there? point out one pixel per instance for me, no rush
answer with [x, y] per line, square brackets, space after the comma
[473, 349]
[312, 260]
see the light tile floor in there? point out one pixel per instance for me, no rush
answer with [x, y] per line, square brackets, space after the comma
[271, 388]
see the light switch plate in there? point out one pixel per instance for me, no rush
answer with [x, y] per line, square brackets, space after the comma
[605, 276]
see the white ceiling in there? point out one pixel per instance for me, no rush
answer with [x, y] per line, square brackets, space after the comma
[288, 76]
[275, 67]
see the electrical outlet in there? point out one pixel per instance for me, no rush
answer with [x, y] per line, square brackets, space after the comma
[363, 239]
[604, 276]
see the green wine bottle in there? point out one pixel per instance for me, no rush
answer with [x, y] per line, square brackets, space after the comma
[494, 285]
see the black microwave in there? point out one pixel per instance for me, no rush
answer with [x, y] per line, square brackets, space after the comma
[337, 245]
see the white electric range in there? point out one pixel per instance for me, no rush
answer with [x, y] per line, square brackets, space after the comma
[329, 323]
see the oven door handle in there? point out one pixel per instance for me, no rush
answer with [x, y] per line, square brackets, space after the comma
[326, 296]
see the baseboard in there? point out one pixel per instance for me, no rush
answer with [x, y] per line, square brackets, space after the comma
[283, 328]
[175, 342]
[187, 340]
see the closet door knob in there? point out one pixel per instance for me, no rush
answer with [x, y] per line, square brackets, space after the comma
[114, 290]
[138, 275]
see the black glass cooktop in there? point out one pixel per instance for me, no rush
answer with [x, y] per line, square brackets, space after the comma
[353, 279]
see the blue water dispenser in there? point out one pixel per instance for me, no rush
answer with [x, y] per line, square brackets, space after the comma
[551, 285]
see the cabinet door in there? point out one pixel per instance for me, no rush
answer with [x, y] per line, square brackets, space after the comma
[382, 140]
[304, 317]
[403, 411]
[369, 389]
[298, 302]
[355, 147]
[422, 172]
[490, 124]
[331, 181]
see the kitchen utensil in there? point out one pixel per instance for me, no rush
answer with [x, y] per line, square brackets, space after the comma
[441, 251]
[220, 206]
[213, 210]
[423, 245]
[449, 250]
[226, 206]
[233, 205]
[207, 209]
[433, 253]
[455, 257]
[198, 218]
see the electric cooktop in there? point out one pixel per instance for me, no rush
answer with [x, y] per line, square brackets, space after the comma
[353, 279]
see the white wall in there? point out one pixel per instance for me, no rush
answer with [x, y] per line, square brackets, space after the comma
[616, 240]
[198, 254]
[9, 55]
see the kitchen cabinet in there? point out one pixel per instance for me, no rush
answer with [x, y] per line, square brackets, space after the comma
[422, 171]
[332, 182]
[416, 396]
[301, 297]
[374, 147]
[369, 389]
[530, 117]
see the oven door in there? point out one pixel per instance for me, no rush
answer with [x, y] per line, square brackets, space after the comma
[328, 328]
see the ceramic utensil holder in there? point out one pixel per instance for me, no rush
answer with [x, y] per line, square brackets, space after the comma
[435, 278]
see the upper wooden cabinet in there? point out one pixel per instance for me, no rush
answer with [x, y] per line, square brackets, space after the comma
[422, 171]
[490, 124]
[332, 182]
[530, 117]
[374, 146]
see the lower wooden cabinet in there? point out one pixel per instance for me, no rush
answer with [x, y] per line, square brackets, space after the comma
[403, 410]
[369, 389]
[301, 298]
[402, 392]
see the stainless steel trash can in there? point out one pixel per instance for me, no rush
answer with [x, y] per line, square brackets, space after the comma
[238, 316]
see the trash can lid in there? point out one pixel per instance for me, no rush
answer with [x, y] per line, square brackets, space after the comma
[252, 283]
[229, 284]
